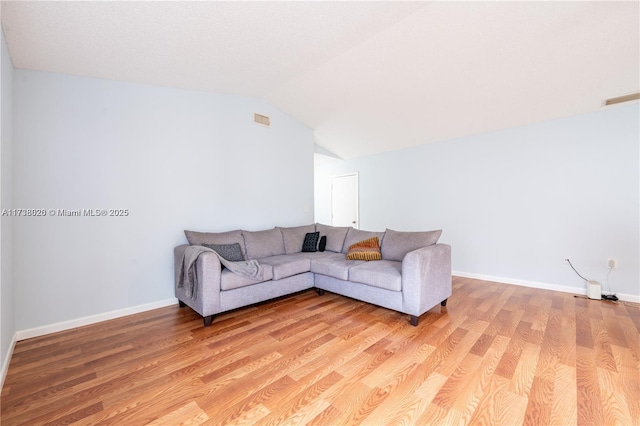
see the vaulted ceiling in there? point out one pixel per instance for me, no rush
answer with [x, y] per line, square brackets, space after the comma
[368, 77]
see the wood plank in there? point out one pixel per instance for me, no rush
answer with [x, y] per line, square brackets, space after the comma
[625, 380]
[186, 415]
[540, 402]
[590, 410]
[614, 404]
[568, 334]
[410, 409]
[478, 382]
[454, 386]
[510, 359]
[254, 403]
[564, 405]
[498, 405]
[524, 373]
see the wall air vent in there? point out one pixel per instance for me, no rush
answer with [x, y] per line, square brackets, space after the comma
[261, 119]
[620, 99]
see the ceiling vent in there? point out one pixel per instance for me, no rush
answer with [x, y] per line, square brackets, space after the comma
[620, 99]
[261, 119]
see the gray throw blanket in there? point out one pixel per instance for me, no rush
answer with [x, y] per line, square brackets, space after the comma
[187, 274]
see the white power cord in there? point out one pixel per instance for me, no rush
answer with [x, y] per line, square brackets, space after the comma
[611, 296]
[608, 283]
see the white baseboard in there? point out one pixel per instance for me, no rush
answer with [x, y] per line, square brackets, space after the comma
[92, 319]
[7, 360]
[544, 286]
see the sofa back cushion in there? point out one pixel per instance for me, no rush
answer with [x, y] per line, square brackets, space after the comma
[356, 235]
[294, 237]
[396, 244]
[230, 237]
[267, 243]
[335, 236]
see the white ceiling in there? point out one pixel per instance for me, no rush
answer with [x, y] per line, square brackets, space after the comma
[368, 77]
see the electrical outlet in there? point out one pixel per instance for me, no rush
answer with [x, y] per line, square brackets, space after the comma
[612, 263]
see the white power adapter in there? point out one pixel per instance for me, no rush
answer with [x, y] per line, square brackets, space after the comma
[594, 290]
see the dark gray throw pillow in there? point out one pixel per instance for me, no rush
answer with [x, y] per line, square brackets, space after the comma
[323, 243]
[231, 252]
[310, 242]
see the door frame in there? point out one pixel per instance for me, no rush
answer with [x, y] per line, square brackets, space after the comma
[357, 196]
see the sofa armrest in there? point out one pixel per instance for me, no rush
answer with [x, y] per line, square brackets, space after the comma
[426, 278]
[208, 273]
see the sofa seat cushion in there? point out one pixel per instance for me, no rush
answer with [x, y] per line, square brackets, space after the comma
[229, 280]
[313, 256]
[385, 274]
[333, 265]
[287, 265]
[319, 255]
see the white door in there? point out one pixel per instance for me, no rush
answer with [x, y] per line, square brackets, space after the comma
[344, 200]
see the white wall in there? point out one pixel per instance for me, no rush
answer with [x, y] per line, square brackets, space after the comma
[7, 320]
[514, 203]
[176, 159]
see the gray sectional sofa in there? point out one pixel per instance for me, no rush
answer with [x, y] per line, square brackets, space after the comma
[413, 276]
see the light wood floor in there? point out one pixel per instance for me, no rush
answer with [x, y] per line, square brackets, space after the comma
[497, 354]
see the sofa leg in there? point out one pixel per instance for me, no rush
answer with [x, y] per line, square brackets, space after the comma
[444, 302]
[208, 320]
[181, 304]
[320, 291]
[414, 320]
